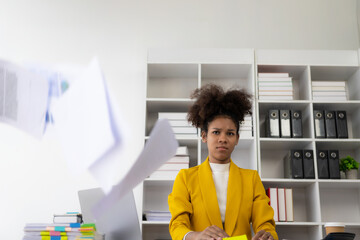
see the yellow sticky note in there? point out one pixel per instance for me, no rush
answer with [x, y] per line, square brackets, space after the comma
[242, 237]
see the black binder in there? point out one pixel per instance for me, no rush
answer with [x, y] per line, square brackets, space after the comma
[322, 164]
[294, 164]
[341, 124]
[334, 170]
[296, 124]
[273, 123]
[319, 124]
[330, 126]
[308, 163]
[285, 128]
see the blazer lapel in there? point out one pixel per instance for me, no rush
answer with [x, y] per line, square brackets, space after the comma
[233, 199]
[208, 193]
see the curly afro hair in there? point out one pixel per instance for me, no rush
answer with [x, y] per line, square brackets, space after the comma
[212, 101]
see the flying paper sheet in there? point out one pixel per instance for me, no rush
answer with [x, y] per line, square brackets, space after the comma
[83, 122]
[159, 148]
[23, 98]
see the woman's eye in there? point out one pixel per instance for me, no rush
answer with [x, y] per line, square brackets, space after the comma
[216, 132]
[231, 133]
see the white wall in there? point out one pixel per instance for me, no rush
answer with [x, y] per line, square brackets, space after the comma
[34, 182]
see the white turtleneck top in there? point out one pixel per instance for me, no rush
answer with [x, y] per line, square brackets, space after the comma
[220, 173]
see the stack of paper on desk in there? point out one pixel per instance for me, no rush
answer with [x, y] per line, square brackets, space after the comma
[73, 231]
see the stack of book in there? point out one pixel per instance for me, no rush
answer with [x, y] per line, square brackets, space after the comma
[172, 167]
[158, 216]
[69, 217]
[61, 231]
[329, 90]
[178, 122]
[275, 86]
[246, 127]
[281, 200]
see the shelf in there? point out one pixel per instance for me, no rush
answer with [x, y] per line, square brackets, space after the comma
[297, 223]
[168, 104]
[285, 144]
[180, 80]
[339, 183]
[286, 182]
[340, 204]
[228, 75]
[155, 223]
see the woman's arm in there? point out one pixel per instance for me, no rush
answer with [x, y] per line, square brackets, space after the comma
[180, 207]
[262, 212]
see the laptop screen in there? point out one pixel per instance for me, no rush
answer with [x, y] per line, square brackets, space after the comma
[118, 223]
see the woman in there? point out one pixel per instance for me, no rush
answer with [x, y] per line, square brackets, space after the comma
[217, 199]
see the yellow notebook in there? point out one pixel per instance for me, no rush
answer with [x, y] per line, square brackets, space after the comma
[242, 237]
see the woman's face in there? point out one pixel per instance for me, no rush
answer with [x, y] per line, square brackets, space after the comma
[221, 139]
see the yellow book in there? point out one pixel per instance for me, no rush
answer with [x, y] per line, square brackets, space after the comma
[242, 237]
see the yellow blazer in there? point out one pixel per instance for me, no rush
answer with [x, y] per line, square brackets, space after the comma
[193, 203]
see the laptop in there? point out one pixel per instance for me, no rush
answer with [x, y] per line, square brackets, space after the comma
[118, 223]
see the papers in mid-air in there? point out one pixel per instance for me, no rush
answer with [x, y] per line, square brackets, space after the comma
[23, 98]
[159, 148]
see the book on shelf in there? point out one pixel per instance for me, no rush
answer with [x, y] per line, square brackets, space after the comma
[276, 93]
[245, 134]
[173, 166]
[153, 215]
[328, 88]
[275, 98]
[246, 128]
[272, 193]
[329, 98]
[178, 122]
[275, 84]
[289, 204]
[328, 83]
[272, 88]
[179, 159]
[328, 93]
[274, 75]
[70, 217]
[274, 79]
[281, 204]
[182, 151]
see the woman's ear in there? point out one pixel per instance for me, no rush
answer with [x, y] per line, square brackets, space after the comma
[203, 136]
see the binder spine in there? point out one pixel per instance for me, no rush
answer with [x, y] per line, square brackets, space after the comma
[341, 124]
[273, 124]
[308, 162]
[319, 124]
[322, 164]
[330, 127]
[334, 170]
[296, 124]
[293, 164]
[285, 129]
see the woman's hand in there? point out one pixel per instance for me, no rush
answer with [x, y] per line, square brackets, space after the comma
[262, 235]
[210, 233]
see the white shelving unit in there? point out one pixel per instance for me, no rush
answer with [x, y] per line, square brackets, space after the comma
[316, 201]
[173, 75]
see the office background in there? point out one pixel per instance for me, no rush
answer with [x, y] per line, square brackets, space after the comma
[34, 181]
